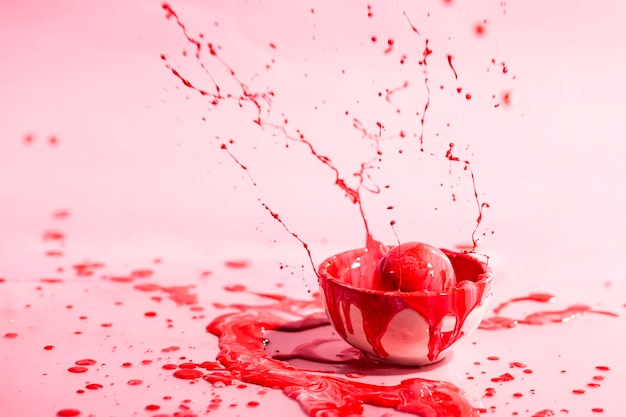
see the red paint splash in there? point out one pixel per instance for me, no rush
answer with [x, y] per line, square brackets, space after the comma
[456, 76]
[262, 101]
[498, 322]
[242, 358]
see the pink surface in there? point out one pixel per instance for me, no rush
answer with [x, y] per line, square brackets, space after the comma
[106, 157]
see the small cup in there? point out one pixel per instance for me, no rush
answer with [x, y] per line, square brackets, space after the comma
[402, 328]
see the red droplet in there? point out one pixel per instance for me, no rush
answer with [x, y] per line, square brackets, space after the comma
[127, 365]
[188, 374]
[517, 365]
[578, 391]
[48, 347]
[237, 263]
[509, 98]
[68, 412]
[210, 365]
[93, 386]
[598, 410]
[170, 349]
[152, 407]
[150, 314]
[85, 362]
[235, 288]
[170, 366]
[141, 273]
[503, 378]
[253, 404]
[479, 29]
[78, 369]
[544, 413]
[10, 335]
[53, 235]
[61, 214]
[493, 358]
[602, 368]
[135, 382]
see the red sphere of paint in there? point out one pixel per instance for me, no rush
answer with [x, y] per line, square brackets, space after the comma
[414, 266]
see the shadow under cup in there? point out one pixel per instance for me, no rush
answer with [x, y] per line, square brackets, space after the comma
[403, 328]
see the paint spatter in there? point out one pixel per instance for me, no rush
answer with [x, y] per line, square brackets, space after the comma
[498, 322]
[242, 359]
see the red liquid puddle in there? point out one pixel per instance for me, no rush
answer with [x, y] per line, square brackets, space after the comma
[539, 318]
[242, 358]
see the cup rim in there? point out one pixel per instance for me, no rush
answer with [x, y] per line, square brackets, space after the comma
[483, 279]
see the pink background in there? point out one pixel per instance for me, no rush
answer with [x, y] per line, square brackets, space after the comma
[137, 164]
